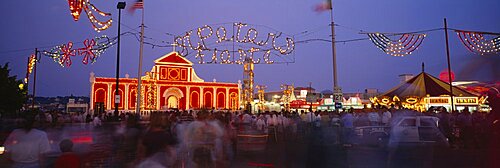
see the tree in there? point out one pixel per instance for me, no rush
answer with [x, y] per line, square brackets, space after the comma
[13, 92]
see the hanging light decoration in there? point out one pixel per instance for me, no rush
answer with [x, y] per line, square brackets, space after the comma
[92, 49]
[245, 39]
[477, 43]
[405, 45]
[31, 64]
[76, 6]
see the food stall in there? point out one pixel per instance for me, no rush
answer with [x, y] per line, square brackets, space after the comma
[425, 91]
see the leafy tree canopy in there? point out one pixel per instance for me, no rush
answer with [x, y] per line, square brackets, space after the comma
[12, 92]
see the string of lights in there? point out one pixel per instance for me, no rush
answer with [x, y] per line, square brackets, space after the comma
[76, 6]
[249, 37]
[405, 45]
[92, 49]
[222, 50]
[477, 43]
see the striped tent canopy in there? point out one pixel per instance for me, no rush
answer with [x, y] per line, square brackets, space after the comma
[424, 84]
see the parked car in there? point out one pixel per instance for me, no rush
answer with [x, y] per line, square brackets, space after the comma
[406, 130]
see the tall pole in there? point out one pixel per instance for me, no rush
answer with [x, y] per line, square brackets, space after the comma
[449, 64]
[310, 97]
[34, 80]
[120, 6]
[139, 72]
[337, 90]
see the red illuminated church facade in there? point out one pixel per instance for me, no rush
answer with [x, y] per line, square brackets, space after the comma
[171, 83]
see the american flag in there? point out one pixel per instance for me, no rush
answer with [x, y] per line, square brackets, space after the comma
[139, 4]
[324, 6]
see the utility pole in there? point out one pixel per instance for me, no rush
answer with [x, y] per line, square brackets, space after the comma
[34, 80]
[449, 64]
[337, 90]
[310, 97]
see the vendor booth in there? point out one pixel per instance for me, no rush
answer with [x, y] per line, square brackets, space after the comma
[425, 91]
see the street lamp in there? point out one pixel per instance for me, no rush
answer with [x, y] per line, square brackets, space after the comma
[119, 6]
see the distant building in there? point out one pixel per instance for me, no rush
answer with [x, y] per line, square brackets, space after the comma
[405, 77]
[172, 83]
[77, 106]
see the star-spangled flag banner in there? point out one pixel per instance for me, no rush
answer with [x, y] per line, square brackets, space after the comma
[324, 6]
[139, 4]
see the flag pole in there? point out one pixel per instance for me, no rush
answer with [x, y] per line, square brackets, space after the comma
[139, 72]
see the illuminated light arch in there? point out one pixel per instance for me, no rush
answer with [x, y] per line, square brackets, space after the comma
[221, 104]
[132, 99]
[197, 97]
[207, 100]
[173, 91]
[97, 95]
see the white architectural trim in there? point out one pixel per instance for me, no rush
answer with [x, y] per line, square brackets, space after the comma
[227, 99]
[125, 95]
[108, 101]
[188, 95]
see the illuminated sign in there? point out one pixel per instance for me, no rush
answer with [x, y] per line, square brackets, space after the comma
[466, 100]
[303, 93]
[328, 101]
[218, 44]
[439, 101]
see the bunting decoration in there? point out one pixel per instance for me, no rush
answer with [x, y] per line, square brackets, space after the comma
[405, 45]
[76, 6]
[476, 42]
[92, 49]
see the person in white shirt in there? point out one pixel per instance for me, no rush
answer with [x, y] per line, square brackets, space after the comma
[310, 117]
[261, 124]
[386, 117]
[97, 121]
[27, 146]
[317, 120]
[374, 118]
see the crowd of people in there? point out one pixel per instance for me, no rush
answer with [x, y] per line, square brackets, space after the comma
[208, 138]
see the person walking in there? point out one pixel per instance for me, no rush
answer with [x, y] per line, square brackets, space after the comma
[27, 146]
[347, 123]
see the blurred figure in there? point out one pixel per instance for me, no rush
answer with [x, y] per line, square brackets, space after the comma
[202, 142]
[374, 118]
[386, 117]
[68, 159]
[347, 123]
[97, 121]
[27, 146]
[158, 146]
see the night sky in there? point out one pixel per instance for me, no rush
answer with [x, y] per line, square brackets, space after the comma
[28, 24]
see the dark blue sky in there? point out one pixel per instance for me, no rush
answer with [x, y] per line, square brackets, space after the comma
[28, 24]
